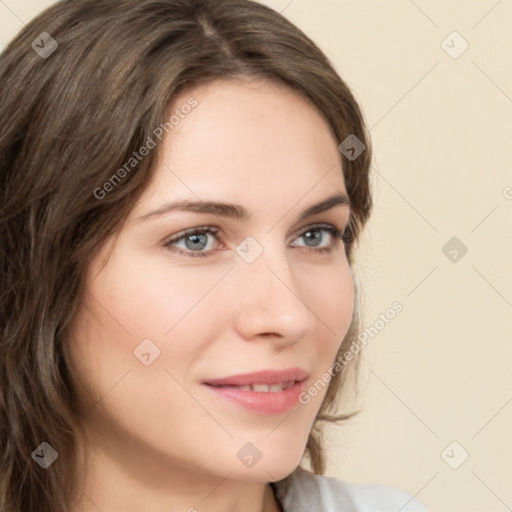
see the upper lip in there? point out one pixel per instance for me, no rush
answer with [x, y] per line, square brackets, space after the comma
[261, 377]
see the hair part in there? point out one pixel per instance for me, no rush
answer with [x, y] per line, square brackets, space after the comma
[68, 122]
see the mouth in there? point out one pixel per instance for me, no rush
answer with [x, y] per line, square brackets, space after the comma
[262, 388]
[264, 392]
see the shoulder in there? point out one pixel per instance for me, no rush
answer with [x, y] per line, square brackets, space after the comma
[382, 498]
[304, 490]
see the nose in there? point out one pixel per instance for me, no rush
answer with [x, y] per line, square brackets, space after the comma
[270, 301]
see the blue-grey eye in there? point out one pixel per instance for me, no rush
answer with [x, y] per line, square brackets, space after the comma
[313, 237]
[318, 238]
[196, 241]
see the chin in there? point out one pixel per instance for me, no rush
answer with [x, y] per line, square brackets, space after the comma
[268, 459]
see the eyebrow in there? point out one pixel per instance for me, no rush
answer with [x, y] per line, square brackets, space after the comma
[236, 211]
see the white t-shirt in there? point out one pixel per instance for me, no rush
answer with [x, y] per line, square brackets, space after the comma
[304, 491]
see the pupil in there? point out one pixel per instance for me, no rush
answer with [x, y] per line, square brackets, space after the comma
[198, 241]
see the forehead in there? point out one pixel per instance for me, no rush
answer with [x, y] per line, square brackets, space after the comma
[246, 140]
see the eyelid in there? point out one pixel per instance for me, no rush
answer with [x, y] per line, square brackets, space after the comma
[318, 225]
[180, 235]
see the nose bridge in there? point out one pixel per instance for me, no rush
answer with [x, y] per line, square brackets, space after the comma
[271, 301]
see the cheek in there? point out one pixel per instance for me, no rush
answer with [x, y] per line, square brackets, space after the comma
[177, 309]
[330, 295]
[332, 301]
[131, 302]
[150, 299]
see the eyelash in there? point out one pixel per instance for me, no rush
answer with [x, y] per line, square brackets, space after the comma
[336, 234]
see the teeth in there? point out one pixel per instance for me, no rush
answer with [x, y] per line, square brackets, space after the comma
[264, 388]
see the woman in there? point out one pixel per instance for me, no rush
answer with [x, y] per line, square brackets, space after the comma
[183, 185]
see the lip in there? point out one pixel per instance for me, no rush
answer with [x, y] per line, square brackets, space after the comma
[261, 377]
[262, 403]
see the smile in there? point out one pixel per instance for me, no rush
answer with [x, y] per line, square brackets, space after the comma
[263, 388]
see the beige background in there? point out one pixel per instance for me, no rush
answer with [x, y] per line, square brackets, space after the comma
[442, 130]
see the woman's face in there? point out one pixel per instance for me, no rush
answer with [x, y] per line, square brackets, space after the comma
[268, 293]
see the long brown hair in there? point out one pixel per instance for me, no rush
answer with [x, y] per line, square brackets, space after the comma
[83, 86]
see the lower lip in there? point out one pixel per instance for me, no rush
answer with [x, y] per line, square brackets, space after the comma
[265, 402]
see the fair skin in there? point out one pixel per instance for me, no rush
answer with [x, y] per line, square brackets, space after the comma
[155, 437]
